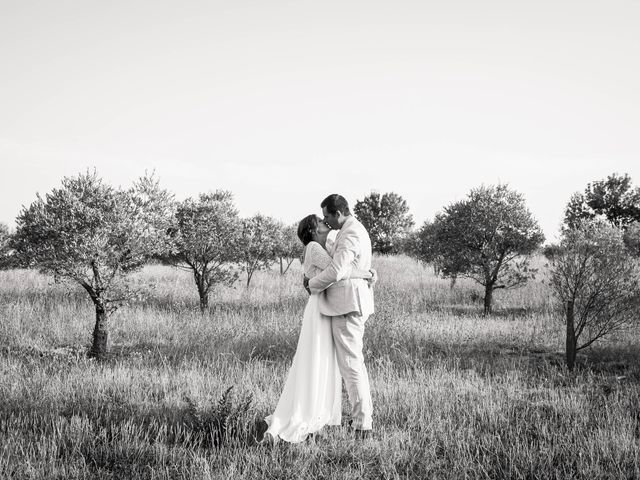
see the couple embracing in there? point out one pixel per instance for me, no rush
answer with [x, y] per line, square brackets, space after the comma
[339, 279]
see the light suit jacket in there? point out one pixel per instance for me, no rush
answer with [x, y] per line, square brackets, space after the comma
[341, 295]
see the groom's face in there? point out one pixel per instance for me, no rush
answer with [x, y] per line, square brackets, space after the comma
[331, 219]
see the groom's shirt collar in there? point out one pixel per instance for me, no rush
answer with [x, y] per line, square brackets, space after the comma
[350, 219]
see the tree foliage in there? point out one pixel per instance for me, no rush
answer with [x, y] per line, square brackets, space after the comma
[7, 260]
[487, 237]
[258, 244]
[205, 240]
[614, 199]
[94, 234]
[632, 239]
[597, 283]
[551, 251]
[288, 246]
[387, 219]
[421, 245]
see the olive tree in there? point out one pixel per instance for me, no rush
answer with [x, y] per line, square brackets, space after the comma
[258, 244]
[488, 237]
[94, 234]
[205, 240]
[288, 246]
[597, 282]
[387, 219]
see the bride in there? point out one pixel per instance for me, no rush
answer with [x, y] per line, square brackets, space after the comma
[312, 394]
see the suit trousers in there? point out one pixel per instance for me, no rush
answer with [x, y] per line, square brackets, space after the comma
[348, 332]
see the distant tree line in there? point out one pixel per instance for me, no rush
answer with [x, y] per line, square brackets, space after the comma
[96, 235]
[594, 271]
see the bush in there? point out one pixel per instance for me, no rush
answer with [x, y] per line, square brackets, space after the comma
[597, 283]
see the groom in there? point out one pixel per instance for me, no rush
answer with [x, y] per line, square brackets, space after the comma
[349, 303]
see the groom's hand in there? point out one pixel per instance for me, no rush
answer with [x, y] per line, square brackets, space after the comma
[305, 284]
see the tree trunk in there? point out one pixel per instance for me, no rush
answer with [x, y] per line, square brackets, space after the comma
[286, 269]
[488, 298]
[572, 341]
[289, 263]
[204, 301]
[281, 267]
[203, 288]
[203, 293]
[101, 346]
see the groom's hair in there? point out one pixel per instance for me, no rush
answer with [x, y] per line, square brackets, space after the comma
[335, 203]
[306, 227]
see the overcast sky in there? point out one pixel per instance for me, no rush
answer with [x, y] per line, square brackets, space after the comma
[284, 102]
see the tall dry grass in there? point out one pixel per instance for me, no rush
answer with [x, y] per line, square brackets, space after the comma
[456, 395]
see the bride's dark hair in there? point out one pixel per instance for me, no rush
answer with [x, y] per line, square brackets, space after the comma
[306, 227]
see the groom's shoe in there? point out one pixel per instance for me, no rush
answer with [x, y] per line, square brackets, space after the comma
[260, 428]
[315, 437]
[363, 434]
[268, 440]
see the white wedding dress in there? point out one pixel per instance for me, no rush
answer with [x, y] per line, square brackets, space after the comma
[312, 394]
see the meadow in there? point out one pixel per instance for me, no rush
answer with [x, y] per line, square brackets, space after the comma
[456, 394]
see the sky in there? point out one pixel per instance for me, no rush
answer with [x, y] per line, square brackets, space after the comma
[284, 102]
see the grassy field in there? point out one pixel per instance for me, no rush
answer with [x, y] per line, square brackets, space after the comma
[456, 395]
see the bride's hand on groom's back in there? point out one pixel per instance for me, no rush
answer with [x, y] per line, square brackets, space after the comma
[305, 284]
[374, 277]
